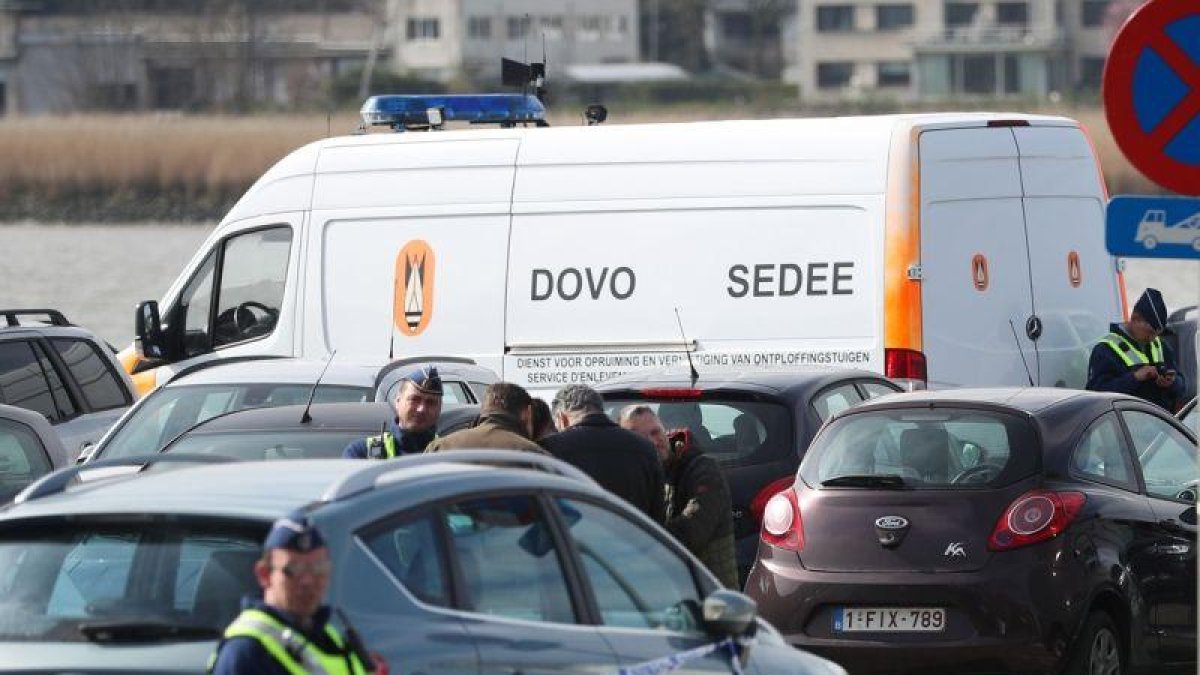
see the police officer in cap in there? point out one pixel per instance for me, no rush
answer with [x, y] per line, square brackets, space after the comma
[418, 404]
[287, 631]
[1132, 358]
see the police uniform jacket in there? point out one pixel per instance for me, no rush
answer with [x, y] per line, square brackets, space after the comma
[622, 462]
[700, 512]
[407, 442]
[1107, 371]
[247, 655]
[496, 430]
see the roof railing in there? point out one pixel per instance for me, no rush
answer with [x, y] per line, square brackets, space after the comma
[370, 476]
[58, 481]
[55, 317]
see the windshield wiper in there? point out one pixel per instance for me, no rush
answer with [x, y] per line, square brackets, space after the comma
[135, 630]
[890, 480]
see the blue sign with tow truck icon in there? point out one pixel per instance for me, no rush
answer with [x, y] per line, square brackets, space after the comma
[1153, 227]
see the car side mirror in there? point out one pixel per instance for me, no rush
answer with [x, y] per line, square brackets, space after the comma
[147, 331]
[729, 613]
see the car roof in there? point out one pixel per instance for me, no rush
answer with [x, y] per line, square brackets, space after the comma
[280, 371]
[255, 490]
[1028, 400]
[760, 381]
[41, 426]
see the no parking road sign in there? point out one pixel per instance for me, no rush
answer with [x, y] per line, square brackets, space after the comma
[1152, 92]
[1153, 227]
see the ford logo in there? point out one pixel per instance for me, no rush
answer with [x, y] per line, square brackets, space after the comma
[891, 523]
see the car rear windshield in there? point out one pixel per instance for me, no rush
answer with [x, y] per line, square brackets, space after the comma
[58, 579]
[258, 445]
[943, 448]
[734, 432]
[171, 411]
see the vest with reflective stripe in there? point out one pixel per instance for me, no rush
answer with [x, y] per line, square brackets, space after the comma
[290, 649]
[389, 445]
[1130, 355]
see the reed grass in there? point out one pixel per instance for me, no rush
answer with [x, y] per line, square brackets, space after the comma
[57, 156]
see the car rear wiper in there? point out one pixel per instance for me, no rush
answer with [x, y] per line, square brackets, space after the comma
[140, 630]
[890, 480]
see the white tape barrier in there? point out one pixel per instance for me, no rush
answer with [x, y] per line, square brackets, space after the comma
[671, 663]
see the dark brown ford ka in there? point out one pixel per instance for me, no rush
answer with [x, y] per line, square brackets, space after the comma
[989, 531]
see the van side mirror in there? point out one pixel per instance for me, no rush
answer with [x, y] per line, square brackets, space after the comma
[729, 613]
[147, 331]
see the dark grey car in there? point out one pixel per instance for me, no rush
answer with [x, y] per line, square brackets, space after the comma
[464, 562]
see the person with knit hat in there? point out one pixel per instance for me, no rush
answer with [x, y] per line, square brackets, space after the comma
[1132, 358]
[418, 404]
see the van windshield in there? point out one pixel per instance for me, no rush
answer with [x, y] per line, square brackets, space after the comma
[922, 448]
[58, 580]
[170, 411]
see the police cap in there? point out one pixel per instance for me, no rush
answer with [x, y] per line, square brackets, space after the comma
[426, 380]
[294, 532]
[1152, 308]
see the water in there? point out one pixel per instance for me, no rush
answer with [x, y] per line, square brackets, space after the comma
[96, 274]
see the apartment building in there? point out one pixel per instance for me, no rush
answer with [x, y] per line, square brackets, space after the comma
[442, 39]
[949, 49]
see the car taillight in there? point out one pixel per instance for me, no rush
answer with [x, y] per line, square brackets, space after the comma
[904, 364]
[1035, 516]
[781, 524]
[760, 500]
[672, 394]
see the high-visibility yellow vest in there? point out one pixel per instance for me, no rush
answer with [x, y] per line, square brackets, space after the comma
[292, 650]
[389, 444]
[1130, 355]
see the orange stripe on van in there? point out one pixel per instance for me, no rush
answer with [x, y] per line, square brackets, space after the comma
[902, 243]
[1104, 189]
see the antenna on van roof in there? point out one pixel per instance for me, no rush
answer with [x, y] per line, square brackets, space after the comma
[1021, 352]
[306, 418]
[686, 349]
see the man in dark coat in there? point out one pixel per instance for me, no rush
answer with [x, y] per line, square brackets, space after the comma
[1132, 358]
[621, 461]
[699, 509]
[504, 423]
[418, 404]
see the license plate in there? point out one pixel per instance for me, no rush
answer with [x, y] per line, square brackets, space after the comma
[889, 619]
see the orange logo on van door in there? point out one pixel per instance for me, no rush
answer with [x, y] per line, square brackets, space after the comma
[979, 272]
[413, 293]
[1074, 273]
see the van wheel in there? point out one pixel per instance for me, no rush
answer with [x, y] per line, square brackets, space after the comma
[1098, 649]
[1149, 242]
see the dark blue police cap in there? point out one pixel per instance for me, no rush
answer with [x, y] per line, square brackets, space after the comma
[294, 532]
[427, 380]
[1152, 308]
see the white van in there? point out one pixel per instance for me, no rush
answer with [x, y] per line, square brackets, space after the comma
[942, 249]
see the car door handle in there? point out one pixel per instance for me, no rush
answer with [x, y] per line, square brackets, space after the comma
[1171, 549]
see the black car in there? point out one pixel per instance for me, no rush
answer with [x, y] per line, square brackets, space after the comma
[989, 531]
[756, 425]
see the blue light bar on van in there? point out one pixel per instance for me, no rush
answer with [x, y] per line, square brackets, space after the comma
[399, 111]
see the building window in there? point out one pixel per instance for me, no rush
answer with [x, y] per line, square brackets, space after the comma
[479, 28]
[959, 14]
[172, 88]
[893, 74]
[1094, 12]
[1012, 74]
[551, 27]
[1091, 73]
[422, 29]
[1012, 14]
[894, 17]
[835, 18]
[736, 25]
[3, 98]
[979, 74]
[834, 74]
[518, 27]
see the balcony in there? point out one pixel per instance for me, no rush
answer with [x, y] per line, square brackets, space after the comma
[974, 39]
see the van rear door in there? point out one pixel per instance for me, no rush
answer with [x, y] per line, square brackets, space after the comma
[974, 262]
[1075, 293]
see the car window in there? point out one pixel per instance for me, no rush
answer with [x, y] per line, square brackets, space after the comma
[924, 448]
[733, 432]
[196, 304]
[252, 281]
[876, 389]
[27, 380]
[22, 457]
[411, 551]
[56, 577]
[269, 444]
[638, 581]
[834, 400]
[171, 410]
[101, 387]
[1100, 454]
[1167, 457]
[1192, 419]
[452, 392]
[509, 563]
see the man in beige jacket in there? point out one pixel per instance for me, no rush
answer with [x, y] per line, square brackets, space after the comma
[504, 423]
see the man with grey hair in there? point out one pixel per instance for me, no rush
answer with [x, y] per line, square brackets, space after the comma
[622, 462]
